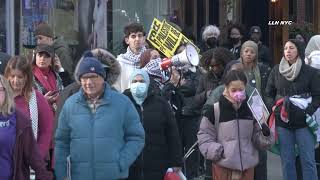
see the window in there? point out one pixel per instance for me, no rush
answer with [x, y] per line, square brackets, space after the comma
[309, 10]
[3, 47]
[125, 11]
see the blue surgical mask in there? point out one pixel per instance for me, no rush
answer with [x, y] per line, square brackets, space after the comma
[139, 91]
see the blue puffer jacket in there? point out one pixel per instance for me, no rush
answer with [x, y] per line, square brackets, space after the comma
[101, 145]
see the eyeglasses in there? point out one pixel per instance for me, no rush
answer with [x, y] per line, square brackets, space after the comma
[91, 77]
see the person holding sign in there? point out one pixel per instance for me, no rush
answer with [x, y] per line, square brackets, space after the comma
[292, 77]
[129, 61]
[229, 134]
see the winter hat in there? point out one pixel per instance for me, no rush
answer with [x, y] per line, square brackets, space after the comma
[313, 44]
[251, 44]
[141, 72]
[210, 31]
[255, 29]
[90, 65]
[45, 48]
[44, 29]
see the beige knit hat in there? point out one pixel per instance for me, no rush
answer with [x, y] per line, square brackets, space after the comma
[251, 44]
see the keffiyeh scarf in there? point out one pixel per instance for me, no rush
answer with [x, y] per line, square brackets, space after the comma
[153, 67]
[130, 58]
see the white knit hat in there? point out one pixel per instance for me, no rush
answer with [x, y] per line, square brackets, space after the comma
[210, 31]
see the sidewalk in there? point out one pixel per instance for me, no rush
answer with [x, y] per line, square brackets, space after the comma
[274, 167]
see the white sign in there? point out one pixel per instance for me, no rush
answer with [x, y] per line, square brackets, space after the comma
[258, 108]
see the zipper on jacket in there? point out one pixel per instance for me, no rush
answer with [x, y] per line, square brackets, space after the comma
[92, 118]
[142, 159]
[237, 115]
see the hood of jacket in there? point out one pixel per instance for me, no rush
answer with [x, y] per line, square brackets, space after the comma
[109, 61]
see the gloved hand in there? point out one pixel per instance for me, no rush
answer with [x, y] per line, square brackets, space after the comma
[265, 129]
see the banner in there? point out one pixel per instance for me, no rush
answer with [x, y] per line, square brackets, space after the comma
[166, 38]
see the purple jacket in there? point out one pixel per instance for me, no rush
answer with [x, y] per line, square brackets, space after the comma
[26, 152]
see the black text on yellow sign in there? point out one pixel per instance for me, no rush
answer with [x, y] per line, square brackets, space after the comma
[166, 38]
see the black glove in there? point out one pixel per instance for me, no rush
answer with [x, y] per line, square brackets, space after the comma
[265, 129]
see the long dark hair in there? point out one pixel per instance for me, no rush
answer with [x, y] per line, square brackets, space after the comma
[300, 47]
[235, 75]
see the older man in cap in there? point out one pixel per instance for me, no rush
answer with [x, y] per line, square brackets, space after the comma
[264, 55]
[98, 127]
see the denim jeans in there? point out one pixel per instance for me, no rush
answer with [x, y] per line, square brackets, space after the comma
[305, 142]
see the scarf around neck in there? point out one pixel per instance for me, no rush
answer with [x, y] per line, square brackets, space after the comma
[130, 58]
[290, 72]
[46, 78]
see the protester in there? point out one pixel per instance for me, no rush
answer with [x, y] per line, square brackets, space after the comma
[160, 126]
[264, 55]
[45, 70]
[256, 72]
[44, 35]
[234, 155]
[214, 64]
[129, 61]
[312, 58]
[95, 120]
[235, 38]
[19, 150]
[180, 92]
[210, 37]
[293, 79]
[312, 51]
[150, 61]
[257, 75]
[30, 102]
[111, 66]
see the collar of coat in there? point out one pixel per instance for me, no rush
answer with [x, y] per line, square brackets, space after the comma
[105, 98]
[228, 113]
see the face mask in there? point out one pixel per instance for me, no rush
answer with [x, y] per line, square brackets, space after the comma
[212, 42]
[255, 39]
[238, 96]
[139, 91]
[235, 40]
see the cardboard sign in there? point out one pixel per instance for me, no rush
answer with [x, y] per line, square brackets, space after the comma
[166, 38]
[258, 108]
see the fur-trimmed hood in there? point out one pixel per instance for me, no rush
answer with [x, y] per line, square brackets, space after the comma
[106, 58]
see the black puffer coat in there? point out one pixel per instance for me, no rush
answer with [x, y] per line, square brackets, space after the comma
[162, 142]
[307, 82]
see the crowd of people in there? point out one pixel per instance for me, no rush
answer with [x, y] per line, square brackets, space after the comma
[107, 117]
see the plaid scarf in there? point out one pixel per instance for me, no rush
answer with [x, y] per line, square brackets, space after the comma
[130, 58]
[153, 67]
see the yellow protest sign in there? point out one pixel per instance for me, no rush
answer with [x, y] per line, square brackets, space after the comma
[166, 38]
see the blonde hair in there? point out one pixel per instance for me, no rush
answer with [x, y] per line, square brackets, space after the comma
[7, 107]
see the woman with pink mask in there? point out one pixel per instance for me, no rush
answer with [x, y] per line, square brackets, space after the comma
[229, 135]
